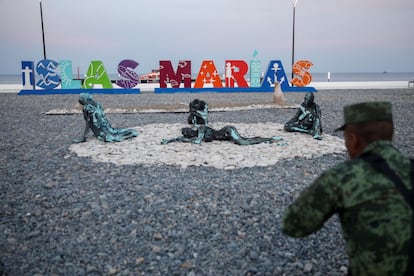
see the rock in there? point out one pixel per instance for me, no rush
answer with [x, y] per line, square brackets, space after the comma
[139, 260]
[308, 267]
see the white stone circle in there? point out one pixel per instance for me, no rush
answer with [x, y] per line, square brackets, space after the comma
[147, 148]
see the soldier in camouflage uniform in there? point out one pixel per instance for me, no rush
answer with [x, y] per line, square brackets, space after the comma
[370, 192]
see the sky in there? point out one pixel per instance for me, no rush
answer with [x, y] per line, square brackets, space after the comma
[335, 35]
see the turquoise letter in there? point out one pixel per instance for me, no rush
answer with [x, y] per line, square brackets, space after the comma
[67, 80]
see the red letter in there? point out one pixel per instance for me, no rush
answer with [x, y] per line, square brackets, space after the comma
[167, 74]
[233, 76]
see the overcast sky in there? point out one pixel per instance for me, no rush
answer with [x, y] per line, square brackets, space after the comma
[336, 35]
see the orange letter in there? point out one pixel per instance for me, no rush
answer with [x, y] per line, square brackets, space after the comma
[208, 75]
[302, 76]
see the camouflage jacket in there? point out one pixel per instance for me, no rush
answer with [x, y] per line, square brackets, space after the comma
[376, 220]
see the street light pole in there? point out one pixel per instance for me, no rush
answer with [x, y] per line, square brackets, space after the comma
[294, 2]
[43, 30]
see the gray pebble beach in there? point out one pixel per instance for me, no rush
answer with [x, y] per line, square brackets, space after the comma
[66, 215]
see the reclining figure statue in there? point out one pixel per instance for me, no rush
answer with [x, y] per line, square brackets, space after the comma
[96, 121]
[307, 118]
[200, 132]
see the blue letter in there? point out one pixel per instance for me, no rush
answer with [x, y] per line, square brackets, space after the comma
[47, 71]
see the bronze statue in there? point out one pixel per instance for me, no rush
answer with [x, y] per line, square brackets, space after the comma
[307, 118]
[198, 113]
[200, 132]
[96, 121]
[203, 133]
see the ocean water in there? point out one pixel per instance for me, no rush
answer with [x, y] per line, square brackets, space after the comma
[382, 76]
[316, 77]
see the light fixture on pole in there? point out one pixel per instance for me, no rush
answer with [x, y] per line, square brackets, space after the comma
[43, 30]
[294, 2]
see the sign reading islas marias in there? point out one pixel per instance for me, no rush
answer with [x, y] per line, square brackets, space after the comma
[52, 74]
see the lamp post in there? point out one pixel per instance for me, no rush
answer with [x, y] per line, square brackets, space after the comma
[43, 30]
[294, 2]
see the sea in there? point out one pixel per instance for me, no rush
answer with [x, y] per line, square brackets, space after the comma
[316, 77]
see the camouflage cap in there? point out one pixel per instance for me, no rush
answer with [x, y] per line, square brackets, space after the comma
[364, 112]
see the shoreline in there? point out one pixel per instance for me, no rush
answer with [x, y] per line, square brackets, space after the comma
[149, 87]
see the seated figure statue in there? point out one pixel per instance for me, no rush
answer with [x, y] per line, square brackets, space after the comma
[198, 113]
[96, 121]
[307, 118]
[200, 132]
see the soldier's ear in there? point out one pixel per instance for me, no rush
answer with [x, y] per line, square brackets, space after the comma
[352, 142]
[360, 145]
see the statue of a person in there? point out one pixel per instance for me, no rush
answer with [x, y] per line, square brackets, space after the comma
[200, 132]
[307, 118]
[198, 113]
[96, 121]
[203, 133]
